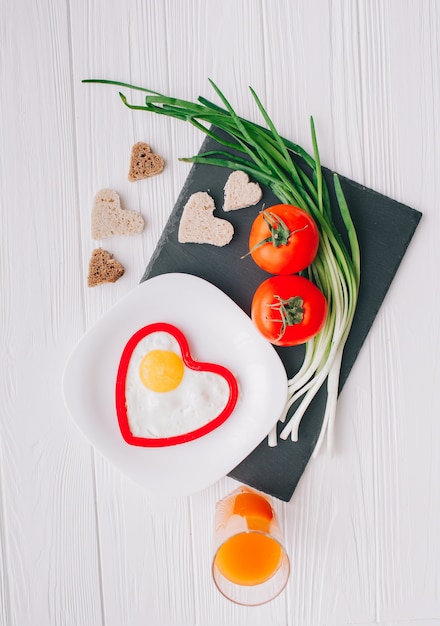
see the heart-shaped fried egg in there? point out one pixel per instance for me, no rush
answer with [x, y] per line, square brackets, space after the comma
[163, 396]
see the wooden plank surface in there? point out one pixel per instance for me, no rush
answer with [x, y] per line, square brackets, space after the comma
[79, 544]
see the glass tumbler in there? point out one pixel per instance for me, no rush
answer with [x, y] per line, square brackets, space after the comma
[250, 564]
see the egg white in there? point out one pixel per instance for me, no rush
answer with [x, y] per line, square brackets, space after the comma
[200, 397]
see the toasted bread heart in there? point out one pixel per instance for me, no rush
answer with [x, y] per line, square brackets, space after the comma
[240, 193]
[198, 224]
[110, 219]
[144, 163]
[103, 268]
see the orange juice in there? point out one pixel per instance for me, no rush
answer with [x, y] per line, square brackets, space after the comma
[250, 557]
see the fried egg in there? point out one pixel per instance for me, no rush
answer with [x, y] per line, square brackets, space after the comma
[166, 398]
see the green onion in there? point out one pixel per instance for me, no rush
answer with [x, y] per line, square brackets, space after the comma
[267, 157]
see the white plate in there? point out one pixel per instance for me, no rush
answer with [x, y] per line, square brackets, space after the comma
[218, 331]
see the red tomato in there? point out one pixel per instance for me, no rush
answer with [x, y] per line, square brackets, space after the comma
[288, 310]
[284, 239]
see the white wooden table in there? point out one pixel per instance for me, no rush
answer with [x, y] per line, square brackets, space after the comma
[81, 545]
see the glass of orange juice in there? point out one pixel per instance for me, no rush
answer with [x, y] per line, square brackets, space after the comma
[250, 565]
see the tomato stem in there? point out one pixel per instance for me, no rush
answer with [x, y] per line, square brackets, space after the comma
[280, 233]
[291, 312]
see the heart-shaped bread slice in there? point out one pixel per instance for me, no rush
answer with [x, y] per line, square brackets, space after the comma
[103, 268]
[110, 219]
[163, 396]
[240, 193]
[198, 224]
[144, 163]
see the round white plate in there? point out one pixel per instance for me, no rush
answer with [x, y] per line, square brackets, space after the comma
[217, 331]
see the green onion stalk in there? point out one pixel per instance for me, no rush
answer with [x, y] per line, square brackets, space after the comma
[264, 155]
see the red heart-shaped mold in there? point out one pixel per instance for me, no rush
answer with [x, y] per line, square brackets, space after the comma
[121, 408]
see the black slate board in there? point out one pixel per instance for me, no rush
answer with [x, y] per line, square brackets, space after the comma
[385, 228]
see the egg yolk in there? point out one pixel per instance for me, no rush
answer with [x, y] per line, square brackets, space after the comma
[161, 370]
